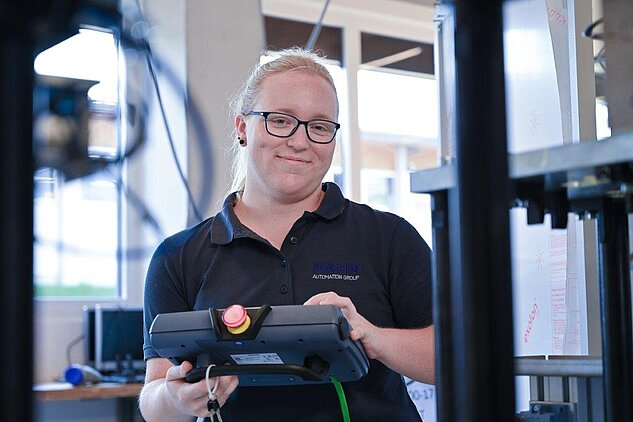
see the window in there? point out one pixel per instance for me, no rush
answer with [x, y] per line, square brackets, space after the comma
[77, 219]
[397, 114]
[398, 119]
[284, 33]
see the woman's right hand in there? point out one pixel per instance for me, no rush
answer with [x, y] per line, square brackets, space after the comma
[191, 398]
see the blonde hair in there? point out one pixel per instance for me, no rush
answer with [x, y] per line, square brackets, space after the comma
[289, 59]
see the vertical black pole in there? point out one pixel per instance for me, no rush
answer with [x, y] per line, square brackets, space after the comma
[442, 311]
[481, 285]
[615, 308]
[16, 217]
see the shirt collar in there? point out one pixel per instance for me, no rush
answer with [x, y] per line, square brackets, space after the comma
[225, 226]
[333, 202]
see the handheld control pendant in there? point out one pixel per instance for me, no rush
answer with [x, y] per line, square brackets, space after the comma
[267, 345]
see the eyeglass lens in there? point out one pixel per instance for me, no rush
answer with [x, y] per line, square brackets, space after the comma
[284, 125]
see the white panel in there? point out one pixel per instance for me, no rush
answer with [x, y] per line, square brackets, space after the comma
[532, 96]
[531, 277]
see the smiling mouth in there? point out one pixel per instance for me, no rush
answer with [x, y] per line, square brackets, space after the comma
[293, 159]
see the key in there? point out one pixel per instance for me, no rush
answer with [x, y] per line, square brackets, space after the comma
[213, 406]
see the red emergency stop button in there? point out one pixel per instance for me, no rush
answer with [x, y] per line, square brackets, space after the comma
[236, 319]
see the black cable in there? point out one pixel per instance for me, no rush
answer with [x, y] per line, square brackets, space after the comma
[200, 127]
[135, 200]
[150, 65]
[108, 19]
[137, 203]
[317, 28]
[588, 32]
[100, 163]
[70, 345]
[159, 98]
[59, 246]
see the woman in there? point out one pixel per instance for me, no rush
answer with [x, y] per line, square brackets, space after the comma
[284, 237]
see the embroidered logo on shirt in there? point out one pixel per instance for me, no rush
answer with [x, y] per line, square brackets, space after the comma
[336, 271]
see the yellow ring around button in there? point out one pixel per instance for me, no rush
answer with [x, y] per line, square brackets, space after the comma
[240, 328]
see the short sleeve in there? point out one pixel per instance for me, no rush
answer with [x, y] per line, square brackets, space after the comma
[163, 292]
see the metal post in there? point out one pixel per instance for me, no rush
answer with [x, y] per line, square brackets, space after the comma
[16, 216]
[615, 305]
[481, 286]
[442, 312]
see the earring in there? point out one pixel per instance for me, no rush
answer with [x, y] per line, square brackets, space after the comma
[241, 141]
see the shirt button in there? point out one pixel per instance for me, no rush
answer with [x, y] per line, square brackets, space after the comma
[293, 240]
[283, 289]
[283, 263]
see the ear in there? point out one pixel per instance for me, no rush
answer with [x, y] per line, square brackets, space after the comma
[240, 126]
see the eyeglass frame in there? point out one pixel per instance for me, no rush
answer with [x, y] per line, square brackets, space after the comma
[265, 115]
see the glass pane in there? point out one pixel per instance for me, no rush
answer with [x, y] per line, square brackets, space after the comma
[398, 118]
[422, 157]
[88, 55]
[76, 222]
[397, 104]
[75, 251]
[336, 174]
[378, 156]
[378, 189]
[603, 130]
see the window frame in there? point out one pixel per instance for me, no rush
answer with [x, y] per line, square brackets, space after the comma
[413, 22]
[100, 110]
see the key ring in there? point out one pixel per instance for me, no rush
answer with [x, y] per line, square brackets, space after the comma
[215, 387]
[213, 405]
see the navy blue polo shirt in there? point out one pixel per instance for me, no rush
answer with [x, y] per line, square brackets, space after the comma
[375, 258]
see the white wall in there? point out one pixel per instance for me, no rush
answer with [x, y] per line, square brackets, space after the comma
[225, 40]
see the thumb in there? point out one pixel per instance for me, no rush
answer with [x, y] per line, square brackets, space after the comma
[178, 372]
[357, 333]
[185, 367]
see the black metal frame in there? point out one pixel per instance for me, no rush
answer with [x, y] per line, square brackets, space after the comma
[472, 278]
[16, 215]
[590, 179]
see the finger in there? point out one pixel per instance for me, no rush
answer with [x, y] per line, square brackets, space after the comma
[344, 303]
[356, 334]
[329, 298]
[201, 409]
[227, 386]
[178, 372]
[195, 394]
[318, 298]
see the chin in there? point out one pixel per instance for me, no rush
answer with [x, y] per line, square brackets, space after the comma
[295, 190]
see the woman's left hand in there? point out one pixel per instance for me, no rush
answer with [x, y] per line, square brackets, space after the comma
[363, 330]
[410, 352]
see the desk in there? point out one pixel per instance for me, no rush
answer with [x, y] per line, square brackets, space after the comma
[124, 395]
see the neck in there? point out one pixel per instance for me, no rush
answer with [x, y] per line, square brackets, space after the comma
[252, 206]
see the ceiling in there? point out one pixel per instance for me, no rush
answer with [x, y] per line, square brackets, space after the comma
[422, 2]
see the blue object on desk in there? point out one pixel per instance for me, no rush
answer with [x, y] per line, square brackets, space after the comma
[81, 374]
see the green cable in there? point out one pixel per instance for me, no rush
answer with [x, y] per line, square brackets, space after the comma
[341, 399]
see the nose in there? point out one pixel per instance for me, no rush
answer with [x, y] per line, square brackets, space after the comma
[299, 139]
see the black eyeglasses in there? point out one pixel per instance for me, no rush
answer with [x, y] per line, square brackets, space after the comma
[283, 125]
